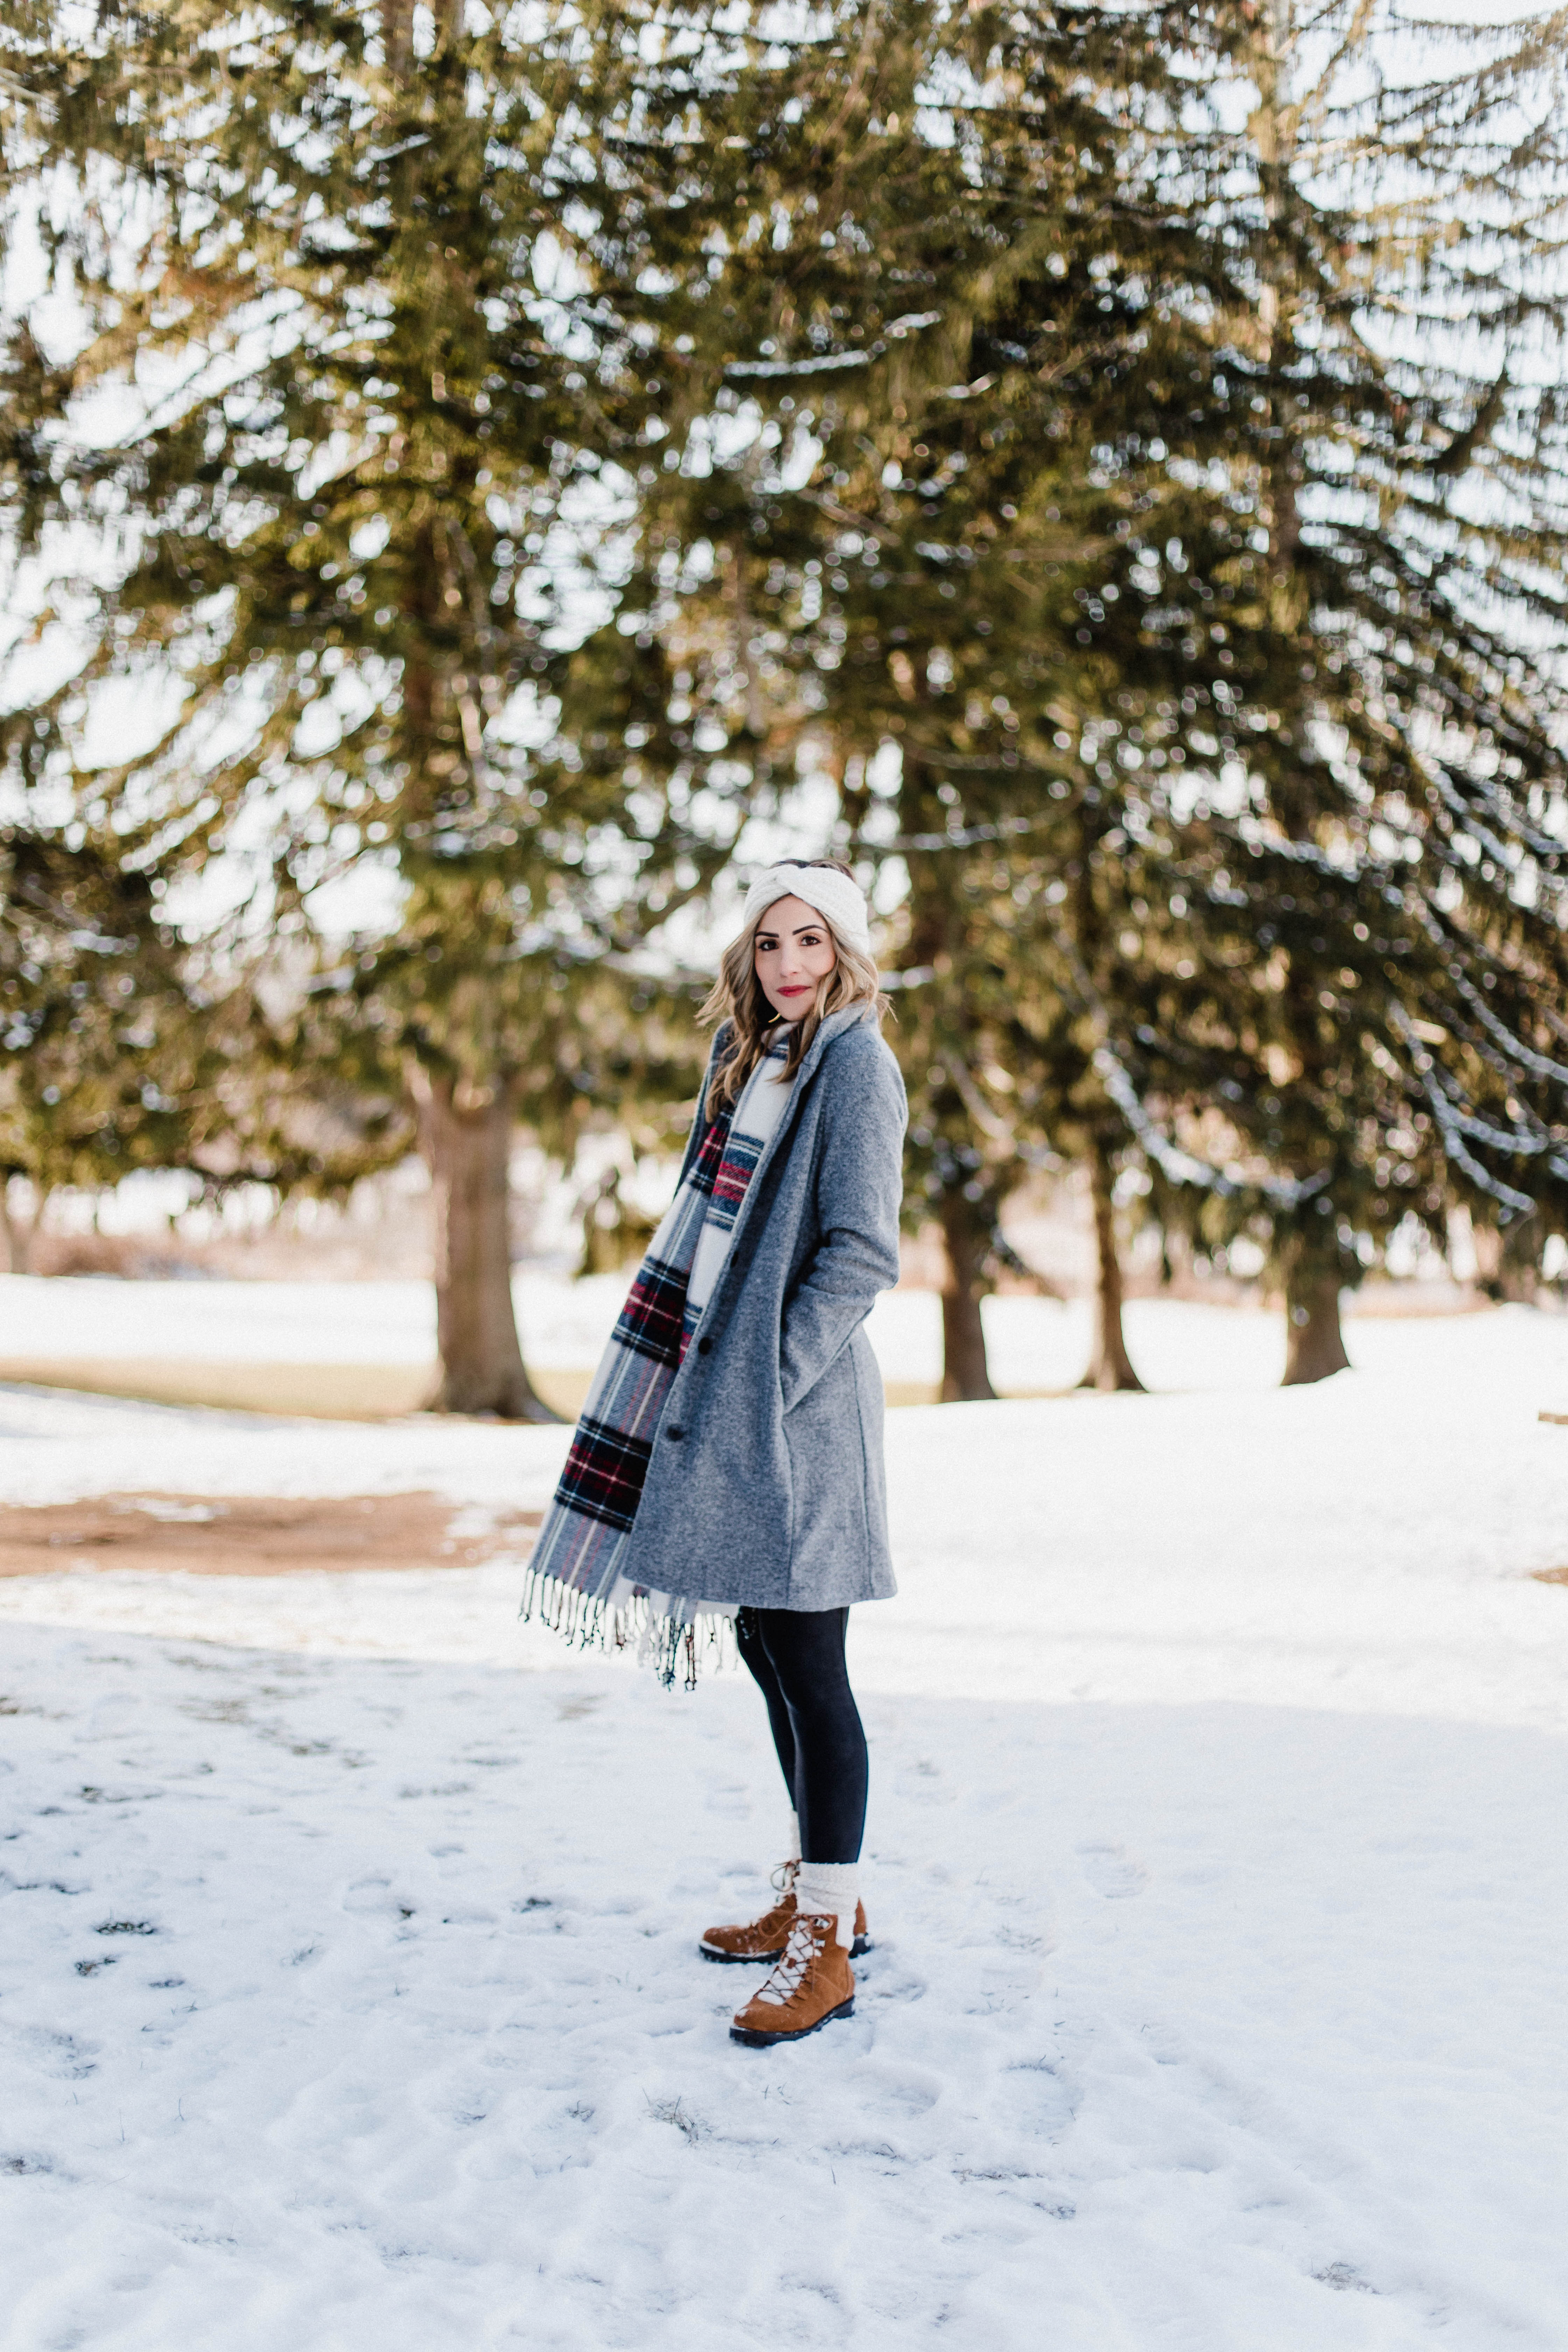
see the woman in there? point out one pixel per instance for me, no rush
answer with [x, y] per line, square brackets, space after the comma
[728, 1460]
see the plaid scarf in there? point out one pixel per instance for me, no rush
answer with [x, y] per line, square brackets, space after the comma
[576, 1576]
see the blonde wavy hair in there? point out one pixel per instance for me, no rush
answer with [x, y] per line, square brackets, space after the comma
[736, 997]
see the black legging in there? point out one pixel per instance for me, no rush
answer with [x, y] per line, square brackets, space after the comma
[796, 1658]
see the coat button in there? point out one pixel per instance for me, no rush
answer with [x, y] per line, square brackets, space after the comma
[705, 1347]
[675, 1435]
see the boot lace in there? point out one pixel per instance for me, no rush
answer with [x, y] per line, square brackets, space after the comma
[804, 1945]
[783, 1879]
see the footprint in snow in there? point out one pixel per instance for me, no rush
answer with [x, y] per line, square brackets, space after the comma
[1003, 1978]
[1112, 1872]
[1038, 2096]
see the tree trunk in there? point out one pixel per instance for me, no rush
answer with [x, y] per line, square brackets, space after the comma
[467, 1147]
[1109, 1366]
[1314, 1345]
[19, 1236]
[965, 1378]
[10, 1232]
[1506, 1269]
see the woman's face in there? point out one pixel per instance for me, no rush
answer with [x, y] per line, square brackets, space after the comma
[793, 951]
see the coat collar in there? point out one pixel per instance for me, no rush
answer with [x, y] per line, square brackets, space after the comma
[834, 1026]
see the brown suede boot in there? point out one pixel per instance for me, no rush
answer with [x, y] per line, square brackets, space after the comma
[763, 1940]
[813, 1984]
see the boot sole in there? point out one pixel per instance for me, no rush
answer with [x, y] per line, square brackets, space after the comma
[857, 1951]
[754, 2040]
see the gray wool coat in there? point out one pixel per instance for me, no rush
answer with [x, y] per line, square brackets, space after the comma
[766, 1486]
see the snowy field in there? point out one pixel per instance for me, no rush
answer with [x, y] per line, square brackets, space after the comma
[1034, 1343]
[1216, 1867]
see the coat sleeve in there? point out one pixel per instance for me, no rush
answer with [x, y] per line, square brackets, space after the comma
[859, 1185]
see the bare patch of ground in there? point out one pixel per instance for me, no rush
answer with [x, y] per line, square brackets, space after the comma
[250, 1534]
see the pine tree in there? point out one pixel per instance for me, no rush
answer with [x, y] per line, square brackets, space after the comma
[1354, 545]
[360, 432]
[1292, 687]
[124, 1048]
[886, 349]
[1096, 490]
[108, 1062]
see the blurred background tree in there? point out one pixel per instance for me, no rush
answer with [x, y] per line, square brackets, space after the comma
[1354, 540]
[106, 1062]
[1176, 548]
[873, 491]
[1110, 467]
[123, 1049]
[341, 412]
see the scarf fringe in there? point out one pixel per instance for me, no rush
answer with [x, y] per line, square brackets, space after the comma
[667, 1644]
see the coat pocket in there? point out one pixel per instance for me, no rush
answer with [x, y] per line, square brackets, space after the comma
[822, 1435]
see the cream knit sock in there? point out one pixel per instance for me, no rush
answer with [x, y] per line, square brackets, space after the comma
[829, 1887]
[792, 1851]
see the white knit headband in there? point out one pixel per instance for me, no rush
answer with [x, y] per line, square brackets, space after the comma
[831, 893]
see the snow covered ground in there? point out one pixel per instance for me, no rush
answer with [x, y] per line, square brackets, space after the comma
[1034, 1343]
[1215, 1869]
[564, 1324]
